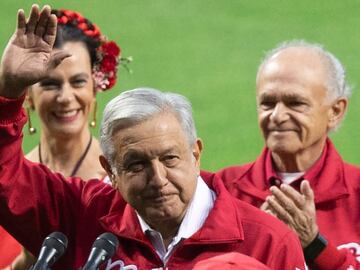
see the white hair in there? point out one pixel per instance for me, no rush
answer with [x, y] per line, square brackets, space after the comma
[336, 85]
[138, 105]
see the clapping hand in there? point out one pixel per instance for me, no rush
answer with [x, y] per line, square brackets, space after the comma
[296, 209]
[29, 53]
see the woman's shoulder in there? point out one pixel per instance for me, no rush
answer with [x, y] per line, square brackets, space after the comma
[33, 155]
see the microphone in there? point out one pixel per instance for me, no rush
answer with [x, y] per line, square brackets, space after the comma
[52, 249]
[102, 250]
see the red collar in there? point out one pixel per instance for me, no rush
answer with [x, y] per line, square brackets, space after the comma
[326, 176]
[122, 221]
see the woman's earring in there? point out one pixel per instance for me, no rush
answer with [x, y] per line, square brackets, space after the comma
[31, 129]
[93, 121]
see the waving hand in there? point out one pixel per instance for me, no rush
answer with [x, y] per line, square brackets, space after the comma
[29, 53]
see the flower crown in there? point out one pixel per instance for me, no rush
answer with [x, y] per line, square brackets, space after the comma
[107, 54]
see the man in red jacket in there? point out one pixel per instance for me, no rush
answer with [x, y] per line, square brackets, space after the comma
[301, 96]
[159, 208]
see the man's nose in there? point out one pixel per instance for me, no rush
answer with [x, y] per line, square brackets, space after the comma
[65, 94]
[159, 175]
[279, 113]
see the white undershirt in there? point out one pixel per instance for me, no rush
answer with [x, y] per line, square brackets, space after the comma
[198, 210]
[288, 178]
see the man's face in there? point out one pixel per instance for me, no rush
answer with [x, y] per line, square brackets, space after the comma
[293, 109]
[156, 168]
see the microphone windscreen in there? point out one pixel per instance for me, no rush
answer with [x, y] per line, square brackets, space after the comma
[108, 242]
[58, 241]
[52, 249]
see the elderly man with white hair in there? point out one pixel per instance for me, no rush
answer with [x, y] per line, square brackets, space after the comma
[159, 208]
[302, 95]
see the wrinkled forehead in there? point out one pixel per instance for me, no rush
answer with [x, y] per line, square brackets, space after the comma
[160, 129]
[293, 69]
[293, 62]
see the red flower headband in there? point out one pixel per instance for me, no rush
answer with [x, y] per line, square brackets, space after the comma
[108, 53]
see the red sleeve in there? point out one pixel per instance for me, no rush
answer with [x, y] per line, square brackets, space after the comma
[10, 109]
[33, 201]
[333, 259]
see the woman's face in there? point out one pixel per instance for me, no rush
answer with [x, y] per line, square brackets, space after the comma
[64, 97]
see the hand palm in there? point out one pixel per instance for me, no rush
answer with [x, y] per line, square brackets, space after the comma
[29, 54]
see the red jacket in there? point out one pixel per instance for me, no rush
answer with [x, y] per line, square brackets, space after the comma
[337, 198]
[35, 202]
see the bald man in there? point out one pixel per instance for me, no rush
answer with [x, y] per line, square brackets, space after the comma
[299, 177]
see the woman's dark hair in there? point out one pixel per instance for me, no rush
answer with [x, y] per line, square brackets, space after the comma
[70, 32]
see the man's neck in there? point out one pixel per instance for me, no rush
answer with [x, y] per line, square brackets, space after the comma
[300, 161]
[167, 229]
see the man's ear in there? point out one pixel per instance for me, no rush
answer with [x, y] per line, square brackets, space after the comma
[197, 149]
[337, 112]
[106, 166]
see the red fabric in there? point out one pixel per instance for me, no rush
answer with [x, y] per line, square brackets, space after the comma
[35, 202]
[230, 261]
[9, 248]
[336, 185]
[331, 258]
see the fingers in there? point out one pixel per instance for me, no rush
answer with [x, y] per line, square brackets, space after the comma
[277, 208]
[50, 31]
[306, 190]
[21, 22]
[283, 200]
[266, 208]
[295, 208]
[43, 21]
[268, 211]
[40, 23]
[295, 196]
[33, 19]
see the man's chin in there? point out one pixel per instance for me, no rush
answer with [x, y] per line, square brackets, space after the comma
[283, 148]
[161, 215]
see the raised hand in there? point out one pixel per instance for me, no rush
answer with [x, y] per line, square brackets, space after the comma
[296, 209]
[29, 52]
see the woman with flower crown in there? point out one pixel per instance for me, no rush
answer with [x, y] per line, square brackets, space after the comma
[65, 100]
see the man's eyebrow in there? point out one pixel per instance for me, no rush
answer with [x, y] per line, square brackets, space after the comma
[135, 154]
[131, 154]
[267, 96]
[287, 96]
[295, 96]
[170, 149]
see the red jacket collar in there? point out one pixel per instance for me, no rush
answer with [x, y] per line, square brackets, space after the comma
[124, 222]
[326, 176]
